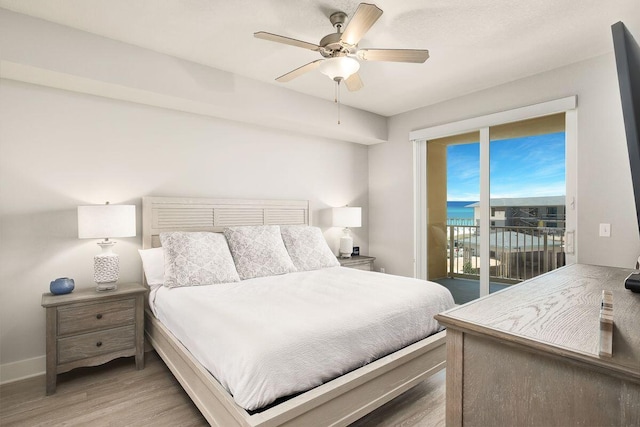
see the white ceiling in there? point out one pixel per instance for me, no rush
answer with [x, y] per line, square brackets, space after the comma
[473, 44]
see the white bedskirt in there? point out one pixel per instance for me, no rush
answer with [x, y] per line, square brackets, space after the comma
[274, 336]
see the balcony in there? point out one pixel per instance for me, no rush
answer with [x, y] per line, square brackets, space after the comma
[516, 253]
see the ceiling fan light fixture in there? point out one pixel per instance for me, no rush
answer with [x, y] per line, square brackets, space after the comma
[339, 68]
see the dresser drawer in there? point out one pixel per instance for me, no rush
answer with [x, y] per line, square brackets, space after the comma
[87, 317]
[96, 343]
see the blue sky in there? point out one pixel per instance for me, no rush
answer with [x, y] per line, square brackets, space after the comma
[522, 167]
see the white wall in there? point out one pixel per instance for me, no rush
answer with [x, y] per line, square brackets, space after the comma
[604, 179]
[60, 149]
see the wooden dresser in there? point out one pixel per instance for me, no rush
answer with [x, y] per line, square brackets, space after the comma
[88, 328]
[528, 355]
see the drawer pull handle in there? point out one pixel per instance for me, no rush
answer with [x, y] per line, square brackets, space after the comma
[99, 343]
[99, 316]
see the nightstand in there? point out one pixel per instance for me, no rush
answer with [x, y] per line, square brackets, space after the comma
[359, 262]
[89, 328]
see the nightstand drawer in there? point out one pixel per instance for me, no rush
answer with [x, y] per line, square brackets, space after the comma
[366, 267]
[96, 343]
[87, 317]
[358, 262]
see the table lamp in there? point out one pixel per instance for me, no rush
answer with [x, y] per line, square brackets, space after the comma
[104, 222]
[346, 217]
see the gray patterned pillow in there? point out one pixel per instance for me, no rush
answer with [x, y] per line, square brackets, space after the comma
[307, 247]
[258, 251]
[196, 258]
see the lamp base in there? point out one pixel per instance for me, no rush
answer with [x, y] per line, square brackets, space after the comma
[346, 245]
[106, 268]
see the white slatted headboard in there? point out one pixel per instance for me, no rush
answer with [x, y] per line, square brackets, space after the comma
[194, 214]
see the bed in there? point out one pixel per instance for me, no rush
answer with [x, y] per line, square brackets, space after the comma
[337, 402]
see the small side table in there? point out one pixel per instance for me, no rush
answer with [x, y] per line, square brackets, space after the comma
[359, 262]
[89, 328]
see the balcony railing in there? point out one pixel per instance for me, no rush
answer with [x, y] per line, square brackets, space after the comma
[516, 253]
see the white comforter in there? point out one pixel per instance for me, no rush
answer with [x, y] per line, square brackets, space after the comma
[270, 337]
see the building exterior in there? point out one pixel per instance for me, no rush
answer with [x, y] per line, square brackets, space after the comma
[548, 212]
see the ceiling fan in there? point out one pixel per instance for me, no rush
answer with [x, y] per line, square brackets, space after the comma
[340, 49]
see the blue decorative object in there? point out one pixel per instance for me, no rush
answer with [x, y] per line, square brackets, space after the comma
[62, 285]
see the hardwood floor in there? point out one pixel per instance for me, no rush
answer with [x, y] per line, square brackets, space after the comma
[421, 406]
[116, 394]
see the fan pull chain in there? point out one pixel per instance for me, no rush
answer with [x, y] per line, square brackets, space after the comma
[337, 97]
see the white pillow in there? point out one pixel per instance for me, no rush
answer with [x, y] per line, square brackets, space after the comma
[307, 247]
[258, 251]
[153, 265]
[196, 258]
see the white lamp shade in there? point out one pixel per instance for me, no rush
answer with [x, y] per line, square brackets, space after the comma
[105, 221]
[341, 67]
[347, 217]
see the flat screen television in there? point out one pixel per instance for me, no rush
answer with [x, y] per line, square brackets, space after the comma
[627, 53]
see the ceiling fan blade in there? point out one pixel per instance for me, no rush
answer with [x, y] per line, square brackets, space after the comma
[354, 82]
[285, 40]
[299, 71]
[394, 55]
[365, 16]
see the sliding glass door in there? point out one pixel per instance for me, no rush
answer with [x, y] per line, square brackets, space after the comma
[453, 172]
[527, 175]
[527, 203]
[496, 205]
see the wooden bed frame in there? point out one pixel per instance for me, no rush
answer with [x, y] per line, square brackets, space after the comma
[336, 403]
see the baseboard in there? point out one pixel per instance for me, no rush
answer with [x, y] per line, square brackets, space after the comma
[22, 369]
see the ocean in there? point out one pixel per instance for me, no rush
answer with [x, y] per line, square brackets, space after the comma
[457, 210]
